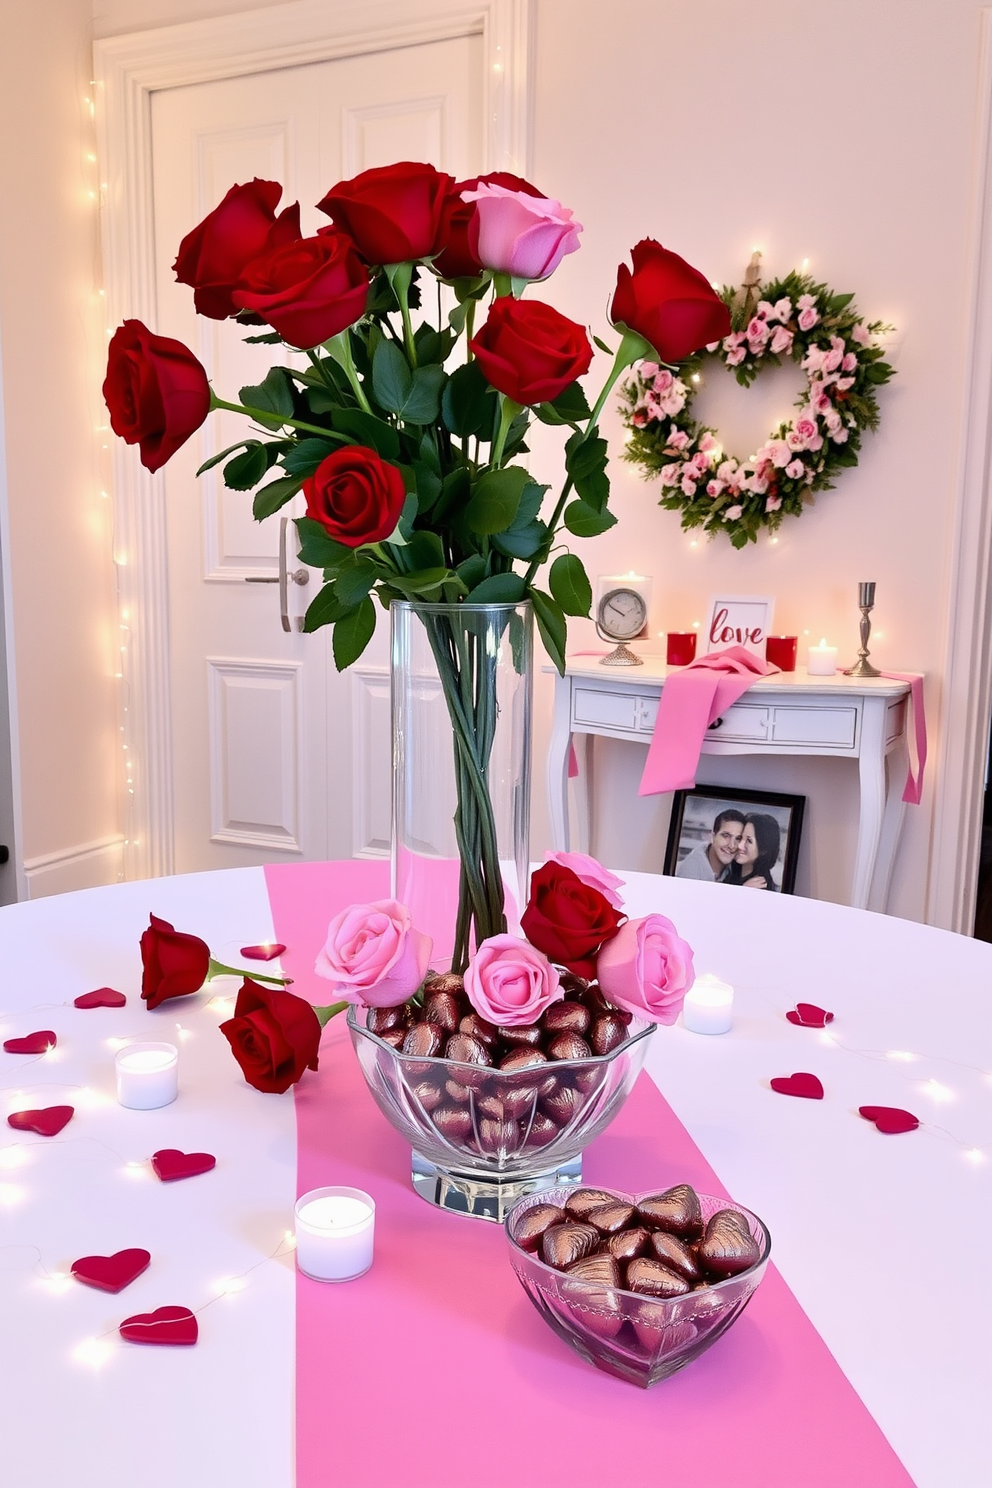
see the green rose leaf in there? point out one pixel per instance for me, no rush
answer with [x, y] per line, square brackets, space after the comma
[365, 428]
[423, 402]
[521, 542]
[570, 586]
[583, 520]
[323, 609]
[274, 395]
[391, 376]
[421, 582]
[507, 588]
[271, 497]
[305, 455]
[354, 582]
[468, 403]
[352, 633]
[247, 469]
[318, 548]
[585, 461]
[552, 626]
[496, 499]
[570, 407]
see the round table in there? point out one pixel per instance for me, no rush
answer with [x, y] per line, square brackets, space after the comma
[882, 1239]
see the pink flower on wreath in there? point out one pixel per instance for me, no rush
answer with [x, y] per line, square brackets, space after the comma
[778, 452]
[732, 513]
[688, 485]
[671, 475]
[648, 370]
[843, 383]
[819, 401]
[807, 432]
[860, 335]
[509, 983]
[783, 308]
[814, 359]
[678, 439]
[795, 469]
[807, 319]
[839, 436]
[765, 311]
[835, 355]
[757, 334]
[591, 872]
[715, 487]
[735, 357]
[849, 363]
[781, 341]
[726, 469]
[772, 503]
[806, 302]
[707, 443]
[638, 418]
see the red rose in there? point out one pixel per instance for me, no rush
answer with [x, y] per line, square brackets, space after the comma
[393, 212]
[156, 391]
[567, 919]
[173, 964]
[212, 256]
[274, 1036]
[356, 496]
[668, 302]
[308, 290]
[456, 259]
[529, 351]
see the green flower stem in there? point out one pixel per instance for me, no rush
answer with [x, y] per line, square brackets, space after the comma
[265, 415]
[502, 286]
[339, 347]
[632, 348]
[400, 277]
[566, 491]
[217, 968]
[325, 1014]
[508, 411]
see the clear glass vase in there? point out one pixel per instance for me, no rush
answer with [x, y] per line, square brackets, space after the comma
[462, 686]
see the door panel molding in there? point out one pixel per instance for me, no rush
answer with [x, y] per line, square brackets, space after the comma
[128, 70]
[255, 730]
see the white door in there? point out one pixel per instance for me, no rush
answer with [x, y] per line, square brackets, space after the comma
[274, 752]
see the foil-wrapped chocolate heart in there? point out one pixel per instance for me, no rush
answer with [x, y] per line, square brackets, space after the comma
[572, 984]
[567, 1046]
[464, 1049]
[457, 1092]
[394, 1036]
[653, 1279]
[563, 1244]
[443, 1008]
[428, 1094]
[423, 1039]
[521, 1059]
[567, 1017]
[728, 1247]
[606, 1033]
[677, 1210]
[453, 1122]
[627, 1244]
[599, 1269]
[542, 1131]
[381, 1019]
[580, 1203]
[498, 1137]
[445, 981]
[478, 1028]
[610, 1217]
[525, 1036]
[674, 1253]
[533, 1222]
[562, 1103]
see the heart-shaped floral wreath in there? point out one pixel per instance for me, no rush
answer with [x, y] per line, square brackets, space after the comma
[843, 362]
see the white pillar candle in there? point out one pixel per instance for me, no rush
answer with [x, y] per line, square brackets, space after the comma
[335, 1229]
[147, 1075]
[821, 660]
[708, 1005]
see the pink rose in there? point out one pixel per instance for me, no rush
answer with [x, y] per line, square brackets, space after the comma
[757, 333]
[688, 485]
[781, 342]
[777, 450]
[591, 872]
[707, 443]
[783, 308]
[860, 335]
[772, 503]
[839, 436]
[807, 319]
[732, 513]
[764, 311]
[663, 381]
[806, 302]
[509, 983]
[647, 968]
[677, 439]
[670, 475]
[795, 469]
[648, 370]
[735, 357]
[514, 233]
[374, 955]
[715, 487]
[849, 363]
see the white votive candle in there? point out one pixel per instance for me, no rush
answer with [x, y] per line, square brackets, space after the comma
[821, 660]
[708, 1005]
[335, 1229]
[147, 1075]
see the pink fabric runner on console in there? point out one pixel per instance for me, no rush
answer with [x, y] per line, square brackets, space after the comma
[691, 699]
[434, 1371]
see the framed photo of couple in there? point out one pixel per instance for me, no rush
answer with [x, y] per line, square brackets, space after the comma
[742, 837]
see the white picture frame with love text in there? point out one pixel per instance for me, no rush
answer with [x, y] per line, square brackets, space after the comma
[738, 620]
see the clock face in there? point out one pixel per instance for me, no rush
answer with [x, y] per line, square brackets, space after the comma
[621, 614]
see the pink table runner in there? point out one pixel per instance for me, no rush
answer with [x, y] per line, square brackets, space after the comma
[434, 1370]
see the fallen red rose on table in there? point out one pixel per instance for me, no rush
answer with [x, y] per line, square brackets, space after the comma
[274, 1036]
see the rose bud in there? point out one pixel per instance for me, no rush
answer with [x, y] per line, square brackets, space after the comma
[373, 954]
[518, 233]
[647, 969]
[155, 390]
[668, 303]
[274, 1036]
[173, 963]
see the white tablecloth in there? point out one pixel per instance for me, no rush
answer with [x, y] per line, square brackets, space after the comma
[882, 1239]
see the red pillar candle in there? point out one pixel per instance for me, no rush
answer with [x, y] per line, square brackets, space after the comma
[681, 648]
[781, 652]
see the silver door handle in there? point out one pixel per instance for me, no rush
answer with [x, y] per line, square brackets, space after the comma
[298, 576]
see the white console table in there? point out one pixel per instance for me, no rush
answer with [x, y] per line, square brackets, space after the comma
[788, 713]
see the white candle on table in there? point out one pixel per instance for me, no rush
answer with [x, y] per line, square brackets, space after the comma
[821, 660]
[335, 1229]
[708, 1005]
[147, 1075]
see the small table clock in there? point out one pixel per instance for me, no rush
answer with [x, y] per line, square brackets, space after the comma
[620, 616]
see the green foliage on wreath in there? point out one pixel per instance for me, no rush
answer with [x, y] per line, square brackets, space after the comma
[815, 328]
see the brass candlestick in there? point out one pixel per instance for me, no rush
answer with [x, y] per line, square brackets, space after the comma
[866, 603]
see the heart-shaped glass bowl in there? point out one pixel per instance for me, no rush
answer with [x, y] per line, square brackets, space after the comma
[637, 1338]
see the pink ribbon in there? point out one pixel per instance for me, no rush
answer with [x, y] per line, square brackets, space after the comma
[691, 699]
[914, 779]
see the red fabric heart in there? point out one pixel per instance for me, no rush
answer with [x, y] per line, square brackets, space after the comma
[808, 1015]
[890, 1119]
[102, 997]
[801, 1083]
[263, 952]
[111, 1273]
[164, 1325]
[47, 1122]
[31, 1043]
[169, 1163]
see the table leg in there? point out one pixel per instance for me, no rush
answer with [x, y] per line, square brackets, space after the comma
[871, 766]
[895, 810]
[558, 753]
[582, 744]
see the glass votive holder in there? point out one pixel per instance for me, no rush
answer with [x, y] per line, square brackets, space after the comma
[708, 1006]
[680, 647]
[147, 1075]
[782, 651]
[335, 1231]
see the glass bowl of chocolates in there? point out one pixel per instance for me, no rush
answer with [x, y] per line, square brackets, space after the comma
[638, 1284]
[495, 1113]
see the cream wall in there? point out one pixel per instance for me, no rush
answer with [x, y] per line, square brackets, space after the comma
[62, 584]
[846, 135]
